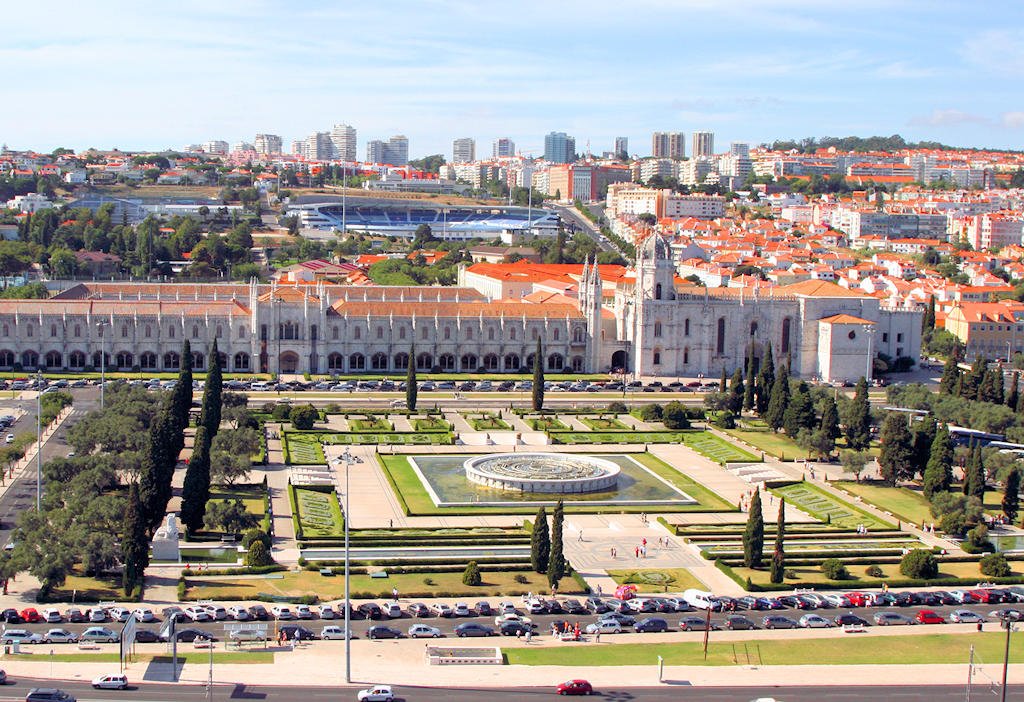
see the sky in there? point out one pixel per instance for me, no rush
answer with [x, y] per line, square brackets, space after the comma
[136, 76]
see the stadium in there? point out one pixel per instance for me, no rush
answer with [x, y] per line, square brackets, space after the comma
[401, 218]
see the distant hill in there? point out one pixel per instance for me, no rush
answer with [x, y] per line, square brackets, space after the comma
[874, 143]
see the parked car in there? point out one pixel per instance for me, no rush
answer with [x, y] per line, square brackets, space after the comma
[393, 610]
[370, 610]
[110, 682]
[1013, 615]
[738, 621]
[144, 614]
[259, 612]
[604, 626]
[514, 628]
[423, 631]
[325, 611]
[218, 613]
[441, 609]
[333, 632]
[239, 635]
[651, 624]
[10, 616]
[59, 636]
[190, 635]
[891, 619]
[197, 613]
[303, 611]
[814, 621]
[119, 614]
[99, 634]
[777, 621]
[52, 615]
[575, 687]
[849, 619]
[379, 631]
[573, 606]
[418, 609]
[694, 624]
[927, 616]
[21, 636]
[965, 616]
[239, 613]
[295, 632]
[31, 615]
[597, 605]
[483, 608]
[146, 636]
[473, 629]
[377, 693]
[75, 615]
[622, 619]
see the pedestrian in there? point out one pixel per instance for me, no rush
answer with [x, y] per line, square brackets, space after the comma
[580, 537]
[394, 593]
[599, 589]
[529, 635]
[391, 523]
[637, 552]
[611, 552]
[597, 636]
[643, 541]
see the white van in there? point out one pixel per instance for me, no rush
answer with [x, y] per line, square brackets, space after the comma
[698, 599]
[260, 386]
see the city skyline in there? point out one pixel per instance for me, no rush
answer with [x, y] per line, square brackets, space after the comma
[747, 72]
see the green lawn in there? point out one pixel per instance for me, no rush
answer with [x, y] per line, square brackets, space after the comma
[303, 449]
[495, 584]
[395, 437]
[778, 445]
[812, 575]
[654, 580]
[604, 423]
[717, 449]
[906, 504]
[827, 507]
[619, 437]
[88, 589]
[546, 424]
[849, 650]
[375, 424]
[319, 513]
[489, 424]
[430, 424]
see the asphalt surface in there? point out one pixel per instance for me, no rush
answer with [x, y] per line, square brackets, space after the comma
[673, 691]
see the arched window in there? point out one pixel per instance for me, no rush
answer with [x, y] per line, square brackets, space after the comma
[220, 331]
[446, 361]
[53, 330]
[357, 333]
[447, 333]
[491, 362]
[78, 331]
[656, 357]
[490, 333]
[657, 291]
[123, 360]
[468, 362]
[686, 356]
[469, 333]
[511, 361]
[198, 360]
[577, 335]
[379, 361]
[29, 359]
[556, 334]
[7, 359]
[334, 332]
[314, 332]
[357, 361]
[170, 332]
[533, 334]
[529, 361]
[241, 331]
[171, 361]
[785, 335]
[195, 331]
[124, 331]
[401, 361]
[30, 331]
[576, 364]
[54, 359]
[75, 360]
[380, 332]
[401, 332]
[335, 361]
[686, 327]
[720, 344]
[512, 333]
[753, 328]
[423, 333]
[657, 329]
[424, 361]
[241, 361]
[149, 331]
[147, 361]
[555, 362]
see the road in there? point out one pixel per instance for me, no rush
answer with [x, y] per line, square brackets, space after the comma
[671, 692]
[585, 225]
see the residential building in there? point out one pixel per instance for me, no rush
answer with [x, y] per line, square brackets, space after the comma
[668, 145]
[343, 141]
[621, 147]
[703, 145]
[695, 171]
[267, 144]
[663, 167]
[503, 147]
[463, 150]
[319, 147]
[242, 147]
[30, 203]
[216, 147]
[739, 148]
[396, 151]
[559, 148]
[989, 329]
[995, 230]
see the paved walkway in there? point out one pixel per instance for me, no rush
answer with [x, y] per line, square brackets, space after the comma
[284, 547]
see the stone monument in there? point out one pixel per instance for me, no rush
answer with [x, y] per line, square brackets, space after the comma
[165, 541]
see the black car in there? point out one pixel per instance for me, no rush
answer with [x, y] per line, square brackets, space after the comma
[370, 610]
[473, 629]
[146, 636]
[10, 616]
[777, 621]
[695, 624]
[651, 624]
[738, 621]
[574, 607]
[554, 607]
[293, 631]
[944, 597]
[793, 601]
[597, 605]
[514, 629]
[906, 599]
[77, 616]
[622, 619]
[190, 635]
[748, 603]
[259, 612]
[849, 619]
[380, 631]
[929, 599]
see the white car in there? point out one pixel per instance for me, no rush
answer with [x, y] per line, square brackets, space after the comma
[422, 631]
[507, 608]
[462, 609]
[97, 615]
[144, 614]
[52, 615]
[281, 612]
[326, 611]
[378, 693]
[836, 600]
[217, 612]
[303, 612]
[502, 618]
[813, 621]
[111, 682]
[238, 613]
[21, 636]
[59, 636]
[604, 626]
[119, 614]
[333, 632]
[248, 635]
[392, 610]
[197, 613]
[441, 609]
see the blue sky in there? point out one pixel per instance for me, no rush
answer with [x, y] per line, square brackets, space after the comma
[119, 74]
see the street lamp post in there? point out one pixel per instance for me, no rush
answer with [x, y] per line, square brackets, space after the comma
[1008, 625]
[348, 459]
[869, 331]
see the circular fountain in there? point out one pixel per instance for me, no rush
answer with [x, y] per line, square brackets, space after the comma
[551, 473]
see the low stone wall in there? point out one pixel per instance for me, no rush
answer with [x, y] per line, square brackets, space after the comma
[446, 655]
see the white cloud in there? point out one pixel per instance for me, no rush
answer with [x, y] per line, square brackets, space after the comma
[1012, 120]
[944, 118]
[902, 70]
[999, 50]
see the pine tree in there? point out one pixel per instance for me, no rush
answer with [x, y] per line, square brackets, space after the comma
[540, 543]
[765, 381]
[210, 413]
[776, 409]
[751, 386]
[924, 437]
[1011, 494]
[411, 389]
[799, 413]
[196, 490]
[1013, 397]
[538, 378]
[779, 557]
[722, 381]
[736, 392]
[896, 459]
[556, 560]
[950, 378]
[753, 535]
[858, 423]
[830, 418]
[134, 542]
[938, 475]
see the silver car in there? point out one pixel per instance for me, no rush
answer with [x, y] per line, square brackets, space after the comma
[21, 636]
[59, 636]
[965, 616]
[892, 619]
[422, 631]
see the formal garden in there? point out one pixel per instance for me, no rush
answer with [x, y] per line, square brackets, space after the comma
[316, 512]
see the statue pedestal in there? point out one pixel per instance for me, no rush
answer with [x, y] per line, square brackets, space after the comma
[165, 541]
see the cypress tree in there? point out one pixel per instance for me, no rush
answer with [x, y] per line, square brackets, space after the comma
[938, 474]
[1013, 397]
[924, 437]
[972, 381]
[179, 404]
[134, 542]
[211, 411]
[999, 385]
[196, 490]
[950, 378]
[1011, 494]
[765, 381]
[750, 388]
[556, 561]
[858, 423]
[968, 470]
[538, 378]
[830, 418]
[736, 392]
[976, 478]
[753, 535]
[896, 459]
[779, 557]
[989, 387]
[411, 389]
[540, 542]
[722, 381]
[776, 409]
[928, 319]
[799, 413]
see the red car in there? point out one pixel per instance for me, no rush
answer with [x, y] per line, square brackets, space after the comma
[575, 687]
[986, 596]
[31, 615]
[927, 616]
[857, 599]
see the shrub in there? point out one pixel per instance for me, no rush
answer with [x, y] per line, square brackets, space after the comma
[471, 576]
[258, 555]
[304, 416]
[428, 581]
[255, 535]
[791, 574]
[281, 412]
[617, 408]
[725, 420]
[954, 523]
[834, 569]
[521, 579]
[995, 565]
[977, 538]
[920, 565]
[650, 413]
[874, 571]
[674, 416]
